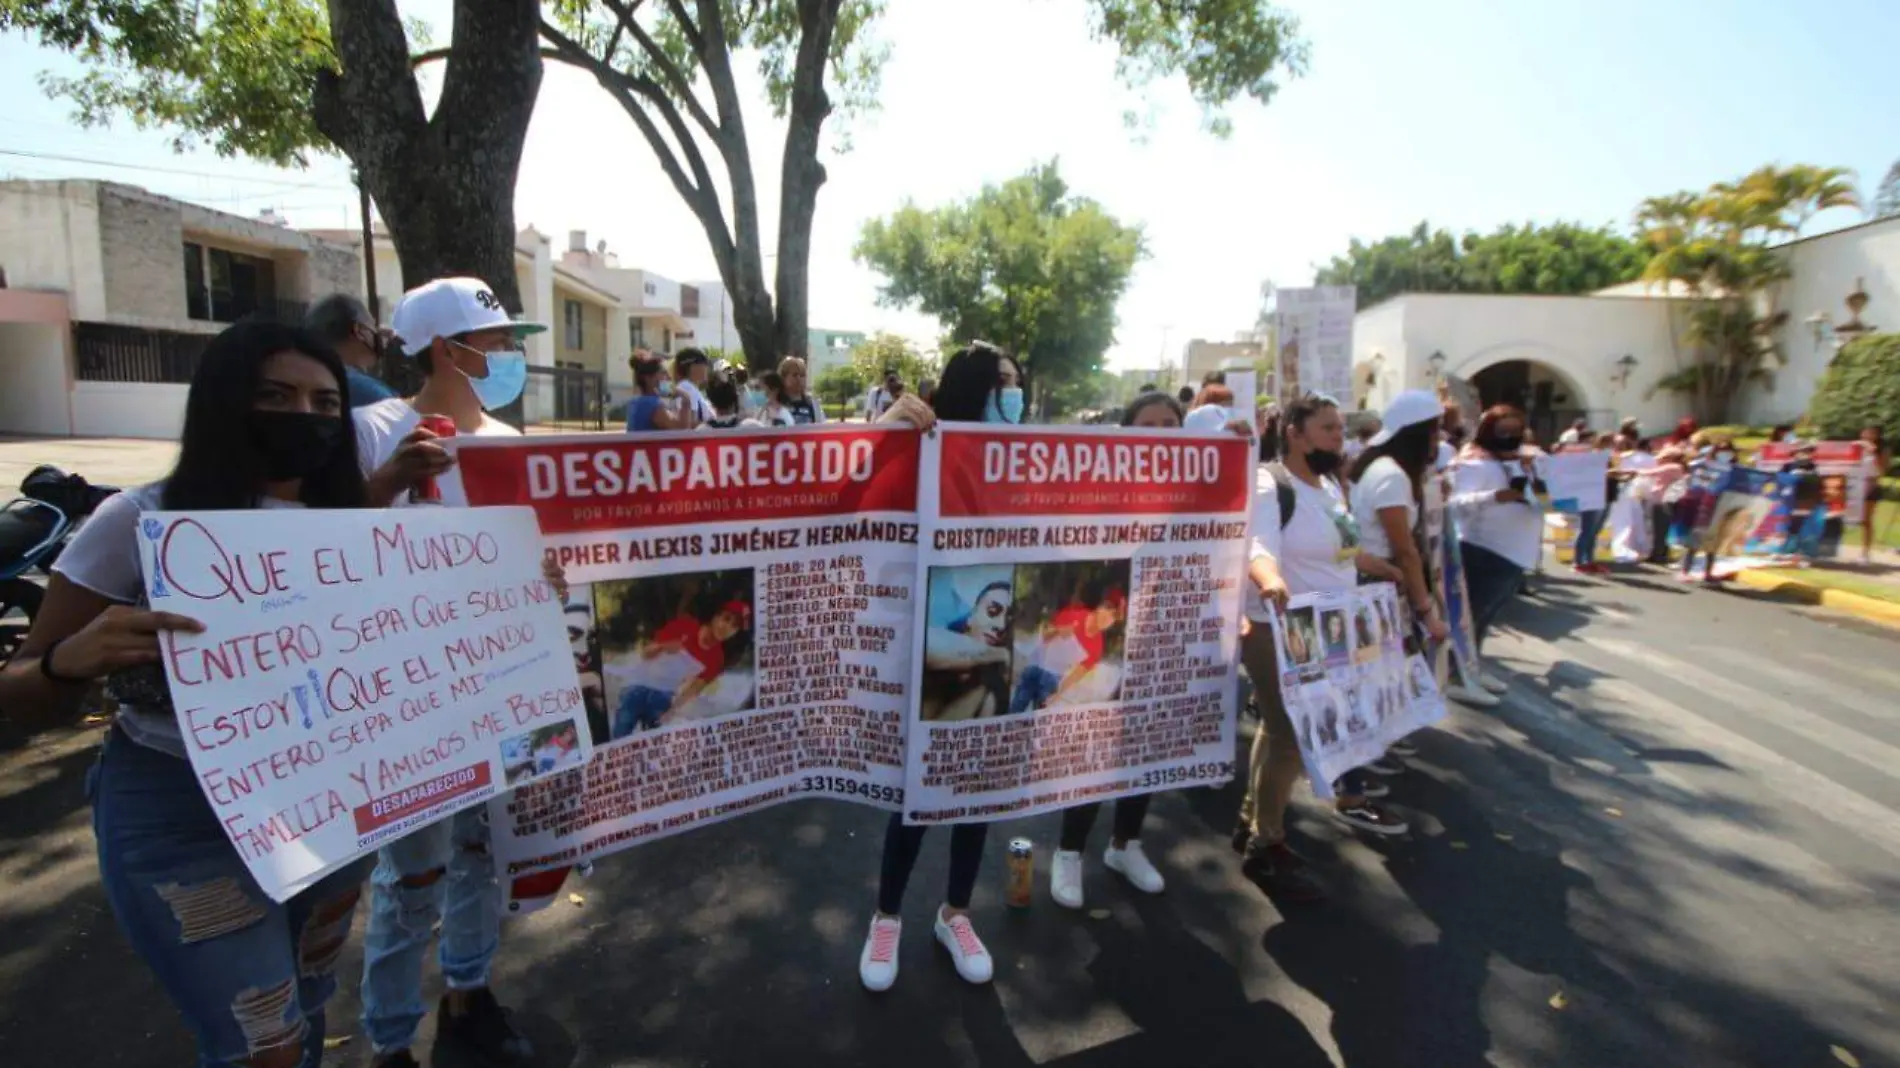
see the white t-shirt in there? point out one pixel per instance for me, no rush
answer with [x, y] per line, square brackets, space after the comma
[380, 428]
[104, 558]
[1511, 529]
[1383, 486]
[1316, 549]
[1206, 417]
[702, 408]
[1446, 455]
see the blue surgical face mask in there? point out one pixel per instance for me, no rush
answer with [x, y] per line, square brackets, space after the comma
[507, 377]
[755, 398]
[1004, 406]
[666, 388]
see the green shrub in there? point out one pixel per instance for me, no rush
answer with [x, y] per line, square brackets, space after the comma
[1861, 388]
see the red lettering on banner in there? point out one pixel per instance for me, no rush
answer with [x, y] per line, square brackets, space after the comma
[989, 474]
[661, 480]
[1825, 452]
[405, 803]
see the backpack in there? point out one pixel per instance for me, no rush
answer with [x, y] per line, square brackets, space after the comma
[1283, 488]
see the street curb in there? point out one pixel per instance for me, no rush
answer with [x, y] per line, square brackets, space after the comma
[1853, 604]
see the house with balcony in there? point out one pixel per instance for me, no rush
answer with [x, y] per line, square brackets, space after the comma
[658, 312]
[109, 294]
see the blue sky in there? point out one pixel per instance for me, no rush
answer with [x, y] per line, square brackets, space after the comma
[1468, 113]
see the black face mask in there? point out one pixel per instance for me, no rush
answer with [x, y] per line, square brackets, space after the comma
[1494, 443]
[294, 444]
[1324, 461]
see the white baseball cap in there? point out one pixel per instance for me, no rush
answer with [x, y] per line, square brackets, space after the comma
[451, 307]
[1410, 408]
[1206, 417]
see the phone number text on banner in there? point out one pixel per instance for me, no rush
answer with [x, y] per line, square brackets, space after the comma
[361, 673]
[1075, 638]
[740, 621]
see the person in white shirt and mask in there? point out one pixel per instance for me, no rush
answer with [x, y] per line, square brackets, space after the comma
[1305, 540]
[691, 371]
[1501, 532]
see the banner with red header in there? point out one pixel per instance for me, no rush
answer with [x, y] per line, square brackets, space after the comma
[361, 673]
[1844, 467]
[740, 617]
[1077, 623]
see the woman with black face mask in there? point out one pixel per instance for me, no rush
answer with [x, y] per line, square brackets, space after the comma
[265, 427]
[1305, 541]
[1501, 534]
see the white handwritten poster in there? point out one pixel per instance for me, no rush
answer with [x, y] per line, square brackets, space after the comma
[361, 673]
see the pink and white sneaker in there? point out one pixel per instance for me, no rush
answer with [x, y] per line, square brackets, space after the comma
[877, 965]
[957, 935]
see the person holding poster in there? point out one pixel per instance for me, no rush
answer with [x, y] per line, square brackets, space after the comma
[1305, 540]
[1152, 411]
[469, 349]
[265, 427]
[979, 385]
[1501, 534]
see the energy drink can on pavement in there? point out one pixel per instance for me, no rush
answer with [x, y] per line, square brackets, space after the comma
[442, 427]
[1022, 872]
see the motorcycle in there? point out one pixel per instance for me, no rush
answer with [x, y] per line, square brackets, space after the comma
[34, 527]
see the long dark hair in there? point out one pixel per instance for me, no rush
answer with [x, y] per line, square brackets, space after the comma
[1411, 448]
[219, 469]
[969, 382]
[1149, 400]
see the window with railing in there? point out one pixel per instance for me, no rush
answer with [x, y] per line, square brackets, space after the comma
[636, 332]
[574, 323]
[689, 302]
[104, 352]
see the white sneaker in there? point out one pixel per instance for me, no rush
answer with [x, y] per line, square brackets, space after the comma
[1133, 865]
[1493, 683]
[966, 949]
[1470, 695]
[877, 965]
[1065, 879]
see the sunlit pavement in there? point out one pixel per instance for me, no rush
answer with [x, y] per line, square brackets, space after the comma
[1676, 843]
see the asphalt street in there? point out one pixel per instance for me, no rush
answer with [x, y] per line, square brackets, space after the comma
[1678, 842]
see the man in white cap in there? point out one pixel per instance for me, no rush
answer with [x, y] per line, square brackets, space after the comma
[470, 351]
[472, 364]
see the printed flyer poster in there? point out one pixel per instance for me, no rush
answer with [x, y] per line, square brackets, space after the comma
[1313, 327]
[1078, 632]
[741, 619]
[1578, 479]
[1842, 466]
[361, 673]
[1351, 690]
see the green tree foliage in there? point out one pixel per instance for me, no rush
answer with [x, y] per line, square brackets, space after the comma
[261, 78]
[1861, 388]
[1024, 264]
[1715, 249]
[1558, 258]
[839, 384]
[883, 352]
[1887, 198]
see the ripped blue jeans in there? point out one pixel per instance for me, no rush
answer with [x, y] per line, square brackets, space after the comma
[250, 976]
[441, 873]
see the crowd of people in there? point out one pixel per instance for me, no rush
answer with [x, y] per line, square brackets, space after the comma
[290, 416]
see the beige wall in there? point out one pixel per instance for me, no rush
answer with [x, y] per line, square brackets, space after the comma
[33, 383]
[49, 239]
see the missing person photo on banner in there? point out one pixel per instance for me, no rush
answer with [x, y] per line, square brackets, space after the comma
[1346, 716]
[1077, 639]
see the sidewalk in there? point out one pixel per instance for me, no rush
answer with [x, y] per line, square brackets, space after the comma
[1869, 592]
[121, 462]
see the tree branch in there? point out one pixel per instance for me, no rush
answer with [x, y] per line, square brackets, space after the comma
[682, 86]
[693, 37]
[697, 191]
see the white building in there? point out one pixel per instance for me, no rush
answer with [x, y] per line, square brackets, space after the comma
[712, 327]
[1599, 356]
[112, 292]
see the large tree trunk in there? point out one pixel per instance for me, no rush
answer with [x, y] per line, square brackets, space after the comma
[443, 183]
[801, 174]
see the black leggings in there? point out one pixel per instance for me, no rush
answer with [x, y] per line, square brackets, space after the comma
[901, 844]
[1077, 822]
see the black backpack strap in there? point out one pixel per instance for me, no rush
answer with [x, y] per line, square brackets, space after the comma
[1283, 488]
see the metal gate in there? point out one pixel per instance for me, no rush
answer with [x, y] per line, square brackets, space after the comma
[569, 398]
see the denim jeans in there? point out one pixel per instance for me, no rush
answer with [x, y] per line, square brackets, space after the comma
[640, 709]
[466, 898]
[1033, 690]
[1589, 525]
[1491, 580]
[248, 974]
